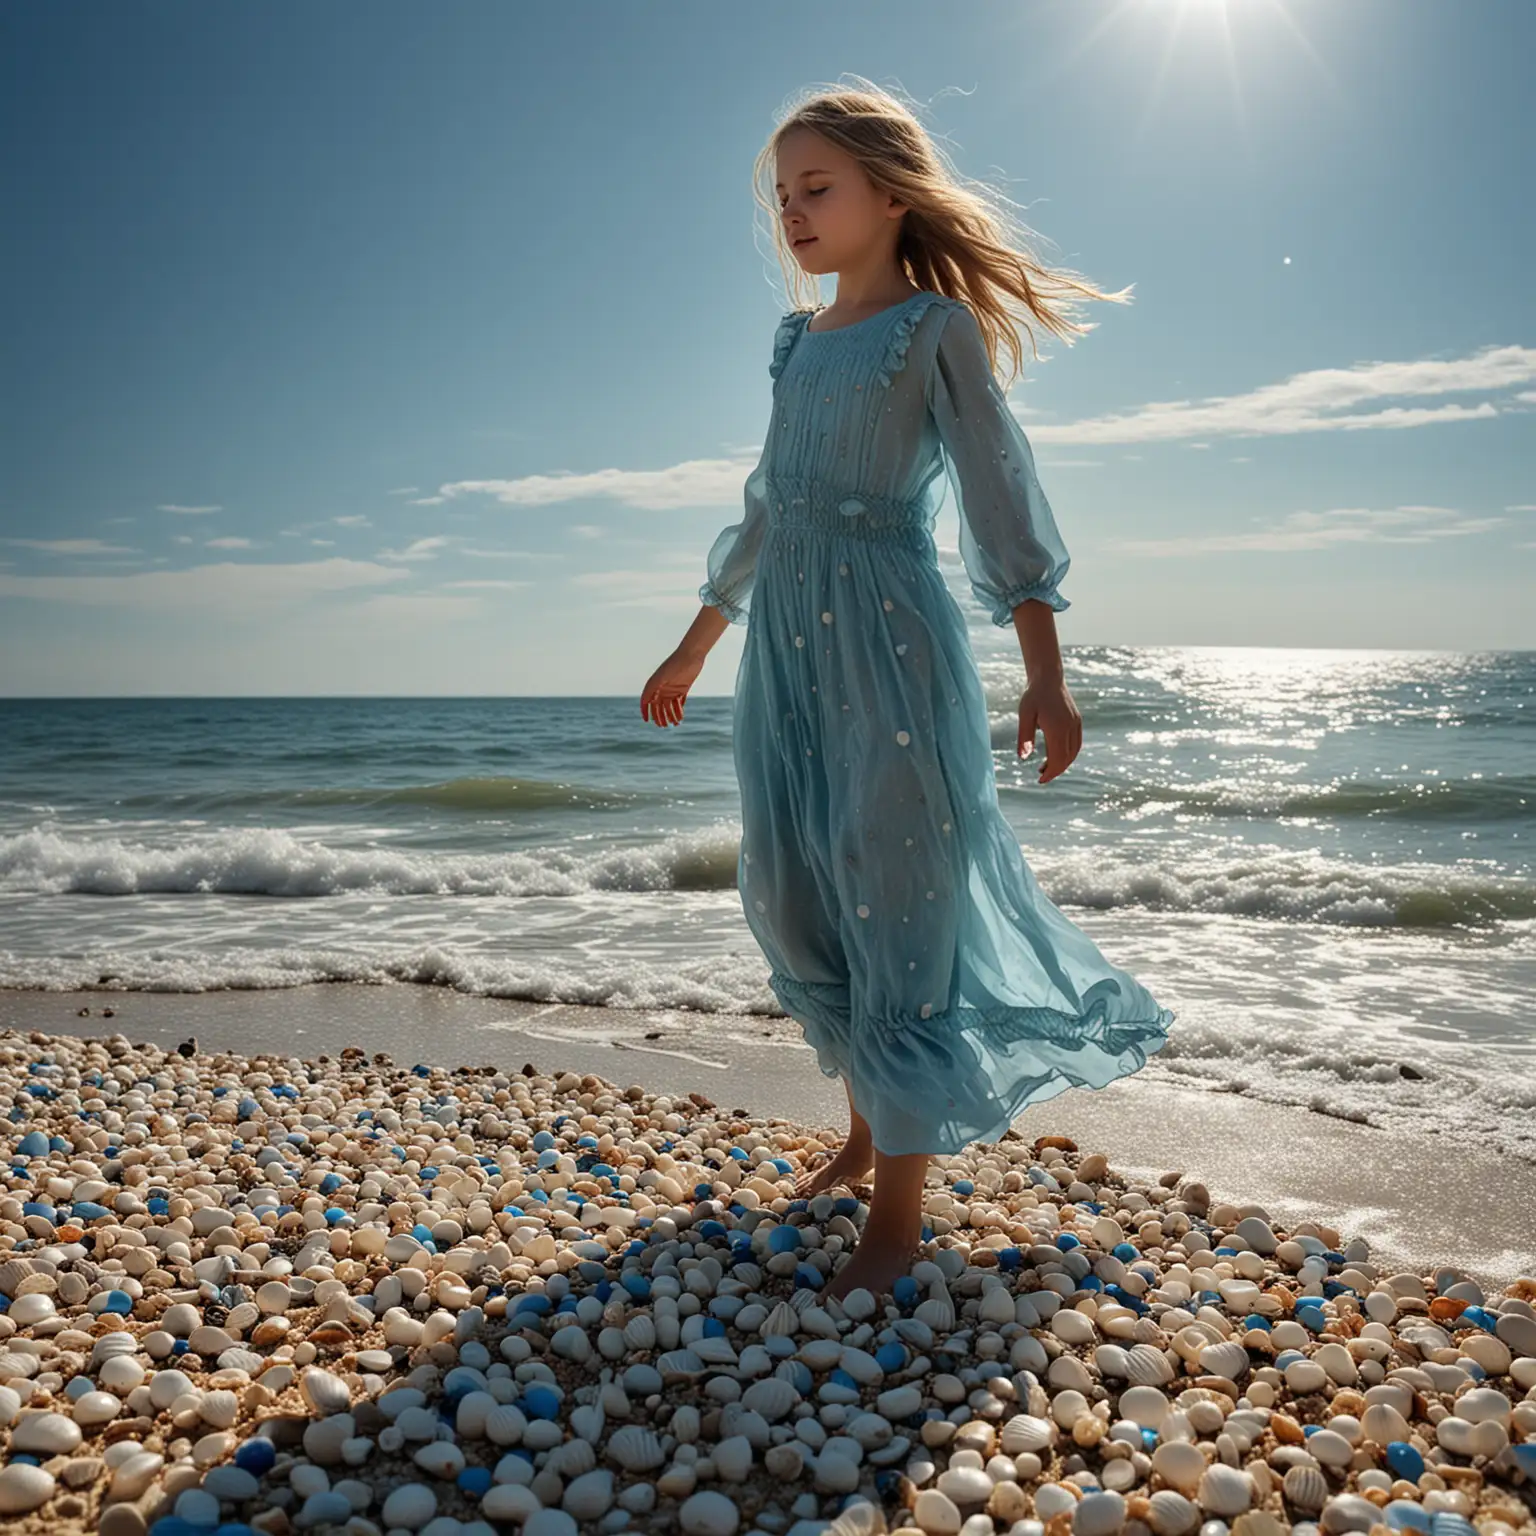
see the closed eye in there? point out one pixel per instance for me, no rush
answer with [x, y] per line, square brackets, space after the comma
[815, 192]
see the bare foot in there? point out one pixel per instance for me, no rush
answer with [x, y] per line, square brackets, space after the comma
[851, 1166]
[877, 1264]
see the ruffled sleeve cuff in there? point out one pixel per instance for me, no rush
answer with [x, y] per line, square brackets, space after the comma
[1041, 591]
[713, 599]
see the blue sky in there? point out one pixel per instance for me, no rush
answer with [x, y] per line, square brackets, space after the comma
[401, 349]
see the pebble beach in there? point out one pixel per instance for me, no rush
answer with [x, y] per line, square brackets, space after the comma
[270, 1293]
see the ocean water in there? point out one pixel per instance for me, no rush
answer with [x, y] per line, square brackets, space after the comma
[1322, 860]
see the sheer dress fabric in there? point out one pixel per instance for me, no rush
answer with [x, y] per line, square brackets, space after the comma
[903, 928]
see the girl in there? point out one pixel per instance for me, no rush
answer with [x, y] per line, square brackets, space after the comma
[904, 930]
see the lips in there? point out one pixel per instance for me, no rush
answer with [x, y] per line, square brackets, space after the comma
[807, 240]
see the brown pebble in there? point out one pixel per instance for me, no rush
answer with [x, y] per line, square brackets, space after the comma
[121, 1520]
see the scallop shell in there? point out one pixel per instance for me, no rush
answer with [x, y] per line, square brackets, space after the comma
[802, 1299]
[587, 1421]
[635, 1448]
[640, 1332]
[1111, 1360]
[1225, 1490]
[782, 1321]
[937, 1311]
[1305, 1488]
[1181, 1463]
[1146, 1366]
[750, 1275]
[685, 1423]
[1228, 1359]
[1169, 1513]
[861, 1519]
[1024, 1432]
[572, 1458]
[914, 1331]
[773, 1397]
[714, 1350]
[680, 1365]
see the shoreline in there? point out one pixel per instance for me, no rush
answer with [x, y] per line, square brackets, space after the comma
[1417, 1201]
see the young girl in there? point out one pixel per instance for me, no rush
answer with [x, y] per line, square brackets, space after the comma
[904, 930]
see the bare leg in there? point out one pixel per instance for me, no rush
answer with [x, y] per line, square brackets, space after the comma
[852, 1163]
[892, 1232]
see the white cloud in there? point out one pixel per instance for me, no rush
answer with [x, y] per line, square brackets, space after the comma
[1324, 530]
[419, 549]
[224, 587]
[585, 530]
[1320, 400]
[230, 541]
[324, 543]
[356, 520]
[693, 483]
[188, 511]
[74, 546]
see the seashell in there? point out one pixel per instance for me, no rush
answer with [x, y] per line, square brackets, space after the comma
[1073, 1327]
[590, 1495]
[861, 1519]
[504, 1424]
[685, 1423]
[781, 1322]
[1112, 1361]
[1228, 1359]
[1171, 1514]
[572, 1458]
[680, 1365]
[937, 1311]
[773, 1397]
[640, 1332]
[914, 1331]
[750, 1275]
[818, 1321]
[586, 1421]
[1147, 1366]
[1304, 1487]
[821, 1354]
[1025, 1432]
[1224, 1490]
[635, 1448]
[571, 1343]
[714, 1350]
[1382, 1423]
[1068, 1371]
[1180, 1463]
[733, 1458]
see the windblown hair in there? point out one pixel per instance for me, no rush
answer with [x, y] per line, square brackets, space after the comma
[957, 236]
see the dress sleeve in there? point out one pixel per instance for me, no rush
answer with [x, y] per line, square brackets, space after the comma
[732, 560]
[1008, 537]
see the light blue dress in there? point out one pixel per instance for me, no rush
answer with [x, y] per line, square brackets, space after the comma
[902, 927]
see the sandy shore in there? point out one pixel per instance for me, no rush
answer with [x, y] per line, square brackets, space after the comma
[1418, 1202]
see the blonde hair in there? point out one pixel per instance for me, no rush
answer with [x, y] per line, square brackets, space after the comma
[956, 238]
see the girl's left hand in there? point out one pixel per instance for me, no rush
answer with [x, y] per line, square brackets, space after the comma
[1048, 707]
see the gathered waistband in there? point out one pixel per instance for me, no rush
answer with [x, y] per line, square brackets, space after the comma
[815, 508]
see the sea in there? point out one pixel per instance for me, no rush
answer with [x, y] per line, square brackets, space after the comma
[1321, 860]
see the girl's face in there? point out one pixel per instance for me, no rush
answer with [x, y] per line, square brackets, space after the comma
[833, 218]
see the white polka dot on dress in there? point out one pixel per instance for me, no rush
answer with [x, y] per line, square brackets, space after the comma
[862, 910]
[903, 738]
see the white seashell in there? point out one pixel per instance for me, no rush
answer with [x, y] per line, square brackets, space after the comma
[1455, 1434]
[1147, 1366]
[859, 1304]
[571, 1343]
[442, 1458]
[862, 1366]
[1068, 1371]
[1099, 1514]
[1225, 1490]
[861, 1519]
[324, 1392]
[1073, 1327]
[511, 1502]
[24, 1487]
[1171, 1514]
[1025, 1432]
[965, 1485]
[750, 1275]
[635, 1448]
[820, 1322]
[708, 1513]
[714, 1350]
[1331, 1448]
[640, 1332]
[586, 1421]
[1112, 1361]
[1180, 1463]
[572, 1458]
[589, 1496]
[685, 1424]
[1228, 1359]
[1483, 1404]
[773, 1397]
[1305, 1488]
[504, 1424]
[783, 1320]
[51, 1434]
[733, 1458]
[937, 1311]
[680, 1365]
[821, 1354]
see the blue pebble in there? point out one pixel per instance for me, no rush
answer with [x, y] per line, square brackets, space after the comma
[782, 1164]
[33, 1144]
[1405, 1515]
[428, 1173]
[638, 1286]
[542, 1141]
[540, 1403]
[1404, 1460]
[711, 1229]
[26, 1459]
[248, 1109]
[904, 1291]
[738, 1153]
[180, 1347]
[120, 1302]
[1066, 1241]
[807, 1278]
[783, 1240]
[475, 1481]
[964, 1187]
[536, 1302]
[330, 1183]
[421, 1232]
[1125, 1251]
[843, 1379]
[891, 1357]
[701, 1191]
[174, 1525]
[88, 1210]
[845, 1205]
[38, 1208]
[1445, 1522]
[1010, 1260]
[256, 1457]
[334, 1214]
[713, 1328]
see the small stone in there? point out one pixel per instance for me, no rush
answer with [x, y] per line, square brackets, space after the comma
[23, 1488]
[708, 1514]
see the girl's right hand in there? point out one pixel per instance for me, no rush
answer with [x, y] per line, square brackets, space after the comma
[666, 690]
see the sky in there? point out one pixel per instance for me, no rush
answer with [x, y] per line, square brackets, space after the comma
[423, 350]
